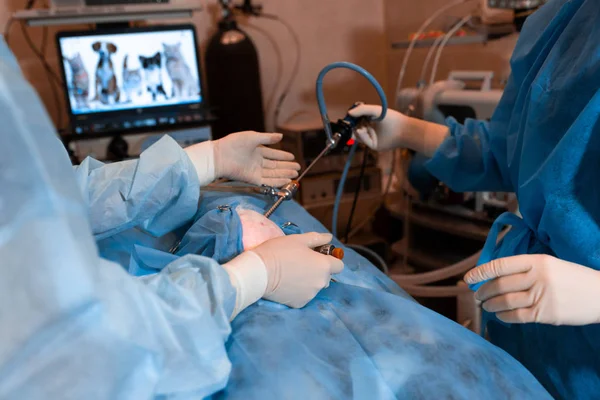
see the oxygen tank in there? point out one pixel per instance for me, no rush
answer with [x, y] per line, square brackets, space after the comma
[233, 81]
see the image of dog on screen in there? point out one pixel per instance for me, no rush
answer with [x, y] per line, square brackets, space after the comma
[130, 71]
[107, 90]
[153, 76]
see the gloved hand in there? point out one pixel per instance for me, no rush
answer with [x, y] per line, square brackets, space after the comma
[380, 136]
[296, 272]
[242, 156]
[285, 270]
[398, 131]
[538, 288]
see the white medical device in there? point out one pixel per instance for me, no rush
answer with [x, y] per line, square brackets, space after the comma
[478, 104]
[460, 101]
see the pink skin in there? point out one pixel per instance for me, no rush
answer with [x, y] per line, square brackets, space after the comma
[256, 229]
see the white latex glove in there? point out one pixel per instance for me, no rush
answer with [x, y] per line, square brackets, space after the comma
[285, 270]
[398, 131]
[242, 156]
[538, 288]
[380, 136]
[296, 272]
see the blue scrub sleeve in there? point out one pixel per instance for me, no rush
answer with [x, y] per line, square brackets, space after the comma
[158, 192]
[75, 326]
[474, 157]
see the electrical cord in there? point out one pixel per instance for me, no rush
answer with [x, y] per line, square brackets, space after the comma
[436, 291]
[328, 129]
[414, 40]
[358, 248]
[53, 79]
[321, 95]
[340, 189]
[248, 9]
[430, 53]
[28, 6]
[364, 222]
[39, 55]
[402, 72]
[447, 37]
[388, 185]
[6, 33]
[433, 49]
[357, 192]
[441, 41]
[44, 43]
[55, 94]
[295, 69]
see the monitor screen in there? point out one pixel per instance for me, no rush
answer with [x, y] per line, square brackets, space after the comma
[134, 72]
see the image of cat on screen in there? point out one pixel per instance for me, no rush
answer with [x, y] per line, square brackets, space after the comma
[123, 71]
[184, 85]
[133, 82]
[152, 75]
[79, 82]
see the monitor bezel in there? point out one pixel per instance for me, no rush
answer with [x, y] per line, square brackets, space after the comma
[133, 112]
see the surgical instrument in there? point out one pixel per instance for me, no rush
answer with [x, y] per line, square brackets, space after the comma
[337, 132]
[349, 123]
[340, 131]
[263, 190]
[286, 193]
[342, 127]
[330, 250]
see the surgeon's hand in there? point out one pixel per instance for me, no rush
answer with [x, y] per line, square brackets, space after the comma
[296, 273]
[398, 131]
[380, 136]
[285, 270]
[243, 157]
[538, 288]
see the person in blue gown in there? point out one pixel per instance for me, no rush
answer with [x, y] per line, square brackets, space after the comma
[74, 324]
[124, 281]
[540, 286]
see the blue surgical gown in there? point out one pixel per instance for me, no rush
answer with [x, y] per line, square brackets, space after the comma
[72, 324]
[75, 325]
[543, 143]
[361, 338]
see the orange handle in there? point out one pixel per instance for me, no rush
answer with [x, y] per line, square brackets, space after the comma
[338, 253]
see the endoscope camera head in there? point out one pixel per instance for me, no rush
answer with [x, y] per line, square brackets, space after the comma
[342, 130]
[345, 127]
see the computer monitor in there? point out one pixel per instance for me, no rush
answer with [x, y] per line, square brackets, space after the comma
[132, 79]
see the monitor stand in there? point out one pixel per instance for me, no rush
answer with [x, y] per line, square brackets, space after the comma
[117, 149]
[112, 25]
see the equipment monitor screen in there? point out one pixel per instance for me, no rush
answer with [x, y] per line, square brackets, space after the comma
[132, 78]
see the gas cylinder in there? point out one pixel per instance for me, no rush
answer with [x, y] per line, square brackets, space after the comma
[233, 81]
